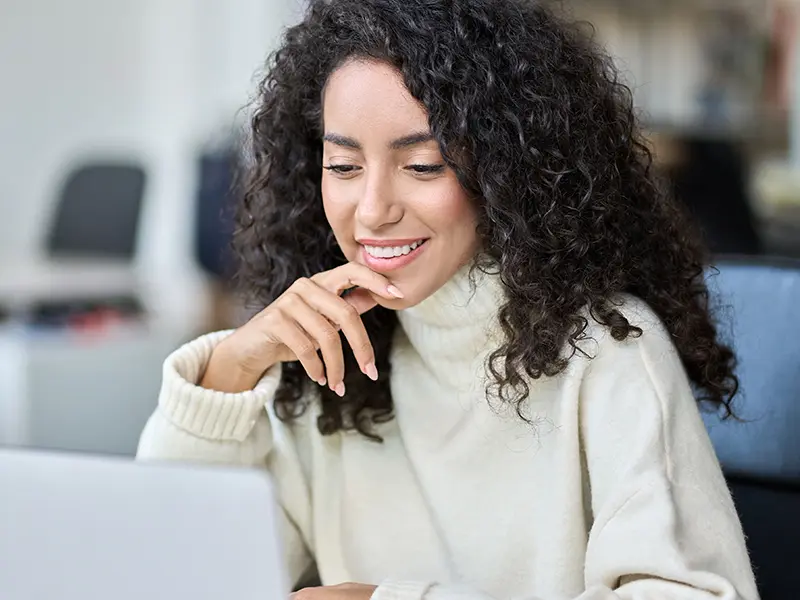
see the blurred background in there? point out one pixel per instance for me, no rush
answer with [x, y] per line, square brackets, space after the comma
[118, 122]
[119, 127]
[119, 130]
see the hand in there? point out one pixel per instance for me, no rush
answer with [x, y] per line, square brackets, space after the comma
[345, 591]
[304, 319]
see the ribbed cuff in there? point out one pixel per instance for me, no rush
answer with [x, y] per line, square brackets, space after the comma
[401, 590]
[207, 413]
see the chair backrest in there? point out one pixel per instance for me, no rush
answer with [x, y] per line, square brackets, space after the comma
[214, 216]
[757, 304]
[98, 212]
[711, 179]
[757, 309]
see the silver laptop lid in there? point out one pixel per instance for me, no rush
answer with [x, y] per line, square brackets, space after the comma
[78, 527]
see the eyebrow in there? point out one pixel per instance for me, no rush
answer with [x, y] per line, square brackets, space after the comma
[406, 141]
[419, 137]
[340, 140]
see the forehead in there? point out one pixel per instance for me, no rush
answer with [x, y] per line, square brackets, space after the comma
[370, 97]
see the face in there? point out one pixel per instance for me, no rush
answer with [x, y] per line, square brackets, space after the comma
[391, 201]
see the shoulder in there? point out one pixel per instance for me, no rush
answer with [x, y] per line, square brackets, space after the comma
[651, 340]
[642, 372]
[636, 404]
[638, 384]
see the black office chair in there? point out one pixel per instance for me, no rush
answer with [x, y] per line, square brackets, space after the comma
[712, 182]
[758, 309]
[216, 200]
[98, 212]
[96, 217]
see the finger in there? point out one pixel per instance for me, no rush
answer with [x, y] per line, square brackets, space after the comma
[322, 331]
[347, 318]
[291, 335]
[362, 300]
[356, 275]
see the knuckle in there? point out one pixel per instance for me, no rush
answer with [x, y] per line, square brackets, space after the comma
[365, 347]
[290, 297]
[259, 316]
[271, 315]
[348, 312]
[329, 334]
[306, 351]
[302, 283]
[272, 323]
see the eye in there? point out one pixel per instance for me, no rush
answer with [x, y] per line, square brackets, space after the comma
[342, 169]
[425, 169]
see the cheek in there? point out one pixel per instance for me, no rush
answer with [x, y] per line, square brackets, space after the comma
[449, 211]
[339, 213]
[334, 206]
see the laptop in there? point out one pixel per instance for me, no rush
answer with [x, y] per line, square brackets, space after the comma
[82, 527]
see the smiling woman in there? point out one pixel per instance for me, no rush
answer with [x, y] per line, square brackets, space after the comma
[460, 252]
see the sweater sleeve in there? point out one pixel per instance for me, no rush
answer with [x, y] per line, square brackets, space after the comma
[664, 524]
[193, 424]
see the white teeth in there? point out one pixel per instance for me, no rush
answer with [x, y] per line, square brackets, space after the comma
[391, 251]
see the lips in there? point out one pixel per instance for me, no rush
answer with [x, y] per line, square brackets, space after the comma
[391, 251]
[385, 256]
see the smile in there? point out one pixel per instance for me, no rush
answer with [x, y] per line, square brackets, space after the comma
[392, 251]
[390, 256]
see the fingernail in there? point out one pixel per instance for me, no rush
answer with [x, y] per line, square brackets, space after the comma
[394, 291]
[371, 371]
[322, 381]
[339, 389]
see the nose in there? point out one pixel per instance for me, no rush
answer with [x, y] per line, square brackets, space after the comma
[378, 205]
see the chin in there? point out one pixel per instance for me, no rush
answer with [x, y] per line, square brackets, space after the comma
[412, 298]
[392, 304]
[399, 304]
[416, 293]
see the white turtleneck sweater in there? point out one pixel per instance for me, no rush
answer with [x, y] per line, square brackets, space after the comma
[613, 493]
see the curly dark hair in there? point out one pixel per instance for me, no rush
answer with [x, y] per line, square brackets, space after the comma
[533, 119]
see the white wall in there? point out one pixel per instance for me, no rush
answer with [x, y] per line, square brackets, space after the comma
[71, 81]
[148, 78]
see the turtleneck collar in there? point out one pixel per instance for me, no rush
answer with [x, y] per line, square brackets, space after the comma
[457, 324]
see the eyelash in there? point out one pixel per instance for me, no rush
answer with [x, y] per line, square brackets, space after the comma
[340, 169]
[426, 169]
[416, 169]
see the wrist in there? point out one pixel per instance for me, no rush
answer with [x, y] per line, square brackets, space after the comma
[226, 372]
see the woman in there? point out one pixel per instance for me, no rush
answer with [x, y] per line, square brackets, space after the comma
[471, 377]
